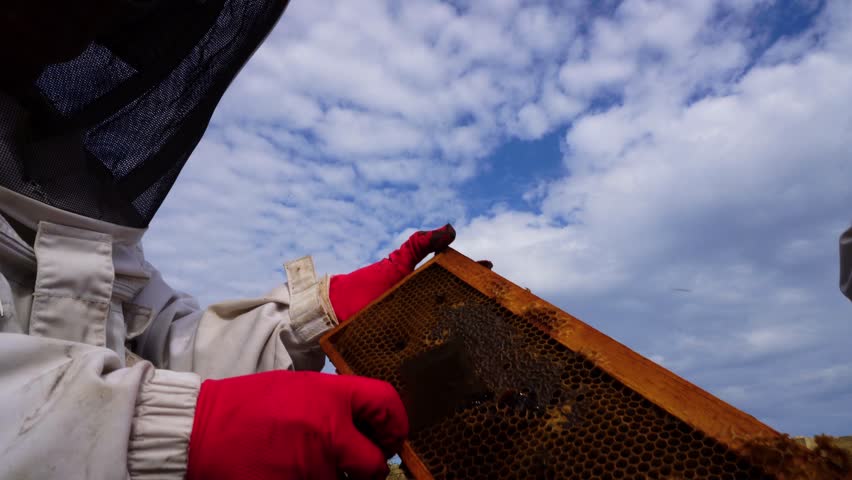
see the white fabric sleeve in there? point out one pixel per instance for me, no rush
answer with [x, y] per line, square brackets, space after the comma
[846, 263]
[279, 330]
[71, 411]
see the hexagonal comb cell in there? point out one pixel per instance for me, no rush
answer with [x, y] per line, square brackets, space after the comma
[500, 384]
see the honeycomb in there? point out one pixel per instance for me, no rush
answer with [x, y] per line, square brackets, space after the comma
[528, 407]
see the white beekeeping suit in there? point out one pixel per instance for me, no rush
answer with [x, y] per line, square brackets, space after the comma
[89, 329]
[100, 360]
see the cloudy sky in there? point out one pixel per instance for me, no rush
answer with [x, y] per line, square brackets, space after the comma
[674, 173]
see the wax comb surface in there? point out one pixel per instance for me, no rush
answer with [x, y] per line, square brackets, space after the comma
[537, 393]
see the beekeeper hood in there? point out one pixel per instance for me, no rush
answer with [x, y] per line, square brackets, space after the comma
[103, 128]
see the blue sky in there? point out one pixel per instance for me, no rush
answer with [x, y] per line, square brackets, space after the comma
[676, 174]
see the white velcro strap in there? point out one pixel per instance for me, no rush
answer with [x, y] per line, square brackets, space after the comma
[310, 312]
[73, 284]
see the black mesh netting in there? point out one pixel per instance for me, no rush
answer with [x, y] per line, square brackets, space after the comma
[111, 129]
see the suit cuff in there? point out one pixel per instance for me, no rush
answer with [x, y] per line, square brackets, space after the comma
[162, 424]
[311, 313]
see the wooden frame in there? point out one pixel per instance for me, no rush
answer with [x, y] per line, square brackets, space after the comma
[699, 409]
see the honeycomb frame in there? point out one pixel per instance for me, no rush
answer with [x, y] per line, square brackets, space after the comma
[699, 436]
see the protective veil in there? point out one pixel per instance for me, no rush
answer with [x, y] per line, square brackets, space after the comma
[107, 133]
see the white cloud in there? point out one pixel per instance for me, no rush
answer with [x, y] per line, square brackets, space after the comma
[538, 254]
[585, 78]
[542, 31]
[346, 132]
[533, 120]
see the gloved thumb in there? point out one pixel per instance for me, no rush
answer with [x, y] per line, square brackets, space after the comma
[358, 457]
[378, 411]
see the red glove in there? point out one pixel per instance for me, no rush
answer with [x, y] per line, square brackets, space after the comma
[352, 292]
[295, 425]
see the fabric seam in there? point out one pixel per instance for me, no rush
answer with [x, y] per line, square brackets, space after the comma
[71, 297]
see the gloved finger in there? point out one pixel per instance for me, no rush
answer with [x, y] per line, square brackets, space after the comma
[358, 457]
[377, 407]
[486, 263]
